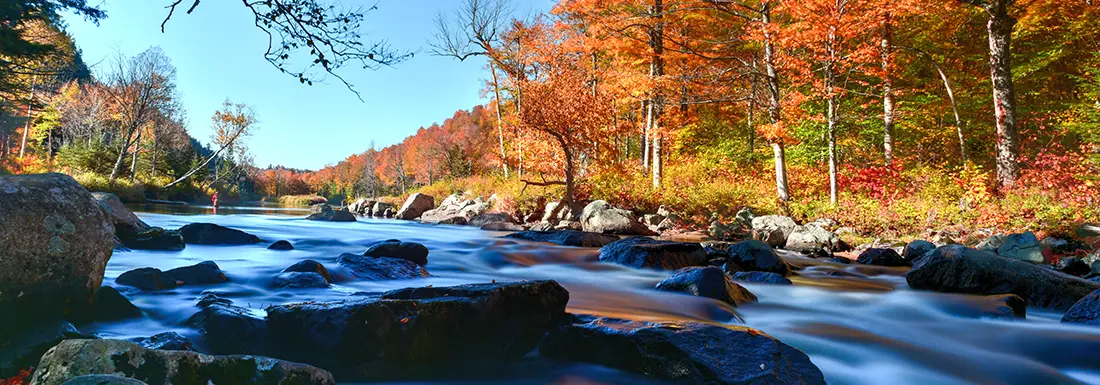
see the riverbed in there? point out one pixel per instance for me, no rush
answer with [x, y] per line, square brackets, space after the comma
[858, 324]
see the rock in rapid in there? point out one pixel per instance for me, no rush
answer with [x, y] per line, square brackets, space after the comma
[644, 252]
[566, 237]
[710, 282]
[212, 234]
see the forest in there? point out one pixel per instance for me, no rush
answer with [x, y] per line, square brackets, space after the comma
[894, 117]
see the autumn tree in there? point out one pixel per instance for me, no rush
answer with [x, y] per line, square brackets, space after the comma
[231, 123]
[139, 87]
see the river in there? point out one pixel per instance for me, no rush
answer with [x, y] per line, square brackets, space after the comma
[859, 324]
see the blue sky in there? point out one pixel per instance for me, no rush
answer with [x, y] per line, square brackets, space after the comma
[218, 54]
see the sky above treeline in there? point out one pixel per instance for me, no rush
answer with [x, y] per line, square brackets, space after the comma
[218, 54]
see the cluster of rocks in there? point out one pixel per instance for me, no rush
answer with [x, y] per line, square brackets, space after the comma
[372, 208]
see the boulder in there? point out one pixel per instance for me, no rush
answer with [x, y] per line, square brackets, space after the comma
[230, 329]
[110, 305]
[708, 282]
[652, 220]
[54, 245]
[643, 252]
[362, 206]
[813, 239]
[165, 341]
[502, 226]
[684, 352]
[481, 220]
[1073, 266]
[414, 206]
[75, 358]
[667, 224]
[203, 273]
[22, 350]
[719, 230]
[281, 246]
[324, 212]
[881, 257]
[102, 379]
[154, 238]
[753, 255]
[148, 279]
[558, 211]
[569, 225]
[389, 213]
[1086, 311]
[309, 266]
[126, 223]
[1022, 247]
[761, 277]
[601, 217]
[409, 251]
[957, 269]
[212, 234]
[916, 249]
[380, 268]
[992, 243]
[744, 217]
[443, 217]
[380, 209]
[775, 228]
[298, 280]
[420, 328]
[566, 238]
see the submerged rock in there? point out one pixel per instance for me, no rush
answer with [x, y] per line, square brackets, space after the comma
[212, 234]
[110, 305]
[761, 277]
[22, 350]
[418, 328]
[324, 212]
[566, 238]
[416, 205]
[155, 238]
[1086, 311]
[298, 280]
[75, 358]
[380, 268]
[310, 266]
[753, 255]
[602, 217]
[643, 252]
[688, 352]
[957, 269]
[230, 329]
[148, 279]
[881, 257]
[203, 273]
[708, 282]
[409, 251]
[54, 245]
[165, 341]
[281, 246]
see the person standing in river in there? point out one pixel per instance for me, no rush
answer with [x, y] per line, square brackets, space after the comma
[214, 201]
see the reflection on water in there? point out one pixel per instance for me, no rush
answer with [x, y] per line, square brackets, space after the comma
[859, 324]
[187, 209]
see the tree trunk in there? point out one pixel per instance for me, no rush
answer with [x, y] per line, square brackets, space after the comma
[656, 159]
[955, 110]
[121, 156]
[153, 165]
[832, 150]
[656, 71]
[519, 141]
[781, 172]
[27, 124]
[887, 91]
[1004, 99]
[500, 118]
[133, 163]
[645, 133]
[773, 104]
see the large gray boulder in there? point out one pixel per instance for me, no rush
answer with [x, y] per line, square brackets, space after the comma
[813, 239]
[1086, 311]
[124, 220]
[1022, 247]
[75, 358]
[54, 245]
[416, 329]
[416, 205]
[753, 255]
[957, 269]
[602, 217]
[773, 229]
[685, 352]
[324, 212]
[379, 209]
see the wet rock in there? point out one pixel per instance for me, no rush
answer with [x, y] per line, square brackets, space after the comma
[148, 279]
[211, 299]
[324, 212]
[102, 379]
[1005, 306]
[126, 223]
[761, 277]
[755, 255]
[840, 260]
[383, 209]
[643, 252]
[1022, 247]
[310, 266]
[813, 239]
[916, 249]
[566, 238]
[881, 257]
[281, 246]
[487, 218]
[22, 350]
[110, 305]
[155, 238]
[773, 229]
[1086, 311]
[54, 245]
[361, 206]
[409, 251]
[708, 282]
[75, 358]
[230, 329]
[502, 226]
[417, 328]
[688, 352]
[165, 341]
[957, 269]
[212, 234]
[1073, 266]
[416, 205]
[380, 268]
[601, 217]
[296, 280]
[203, 273]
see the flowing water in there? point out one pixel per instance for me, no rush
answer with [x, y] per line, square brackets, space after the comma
[859, 324]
